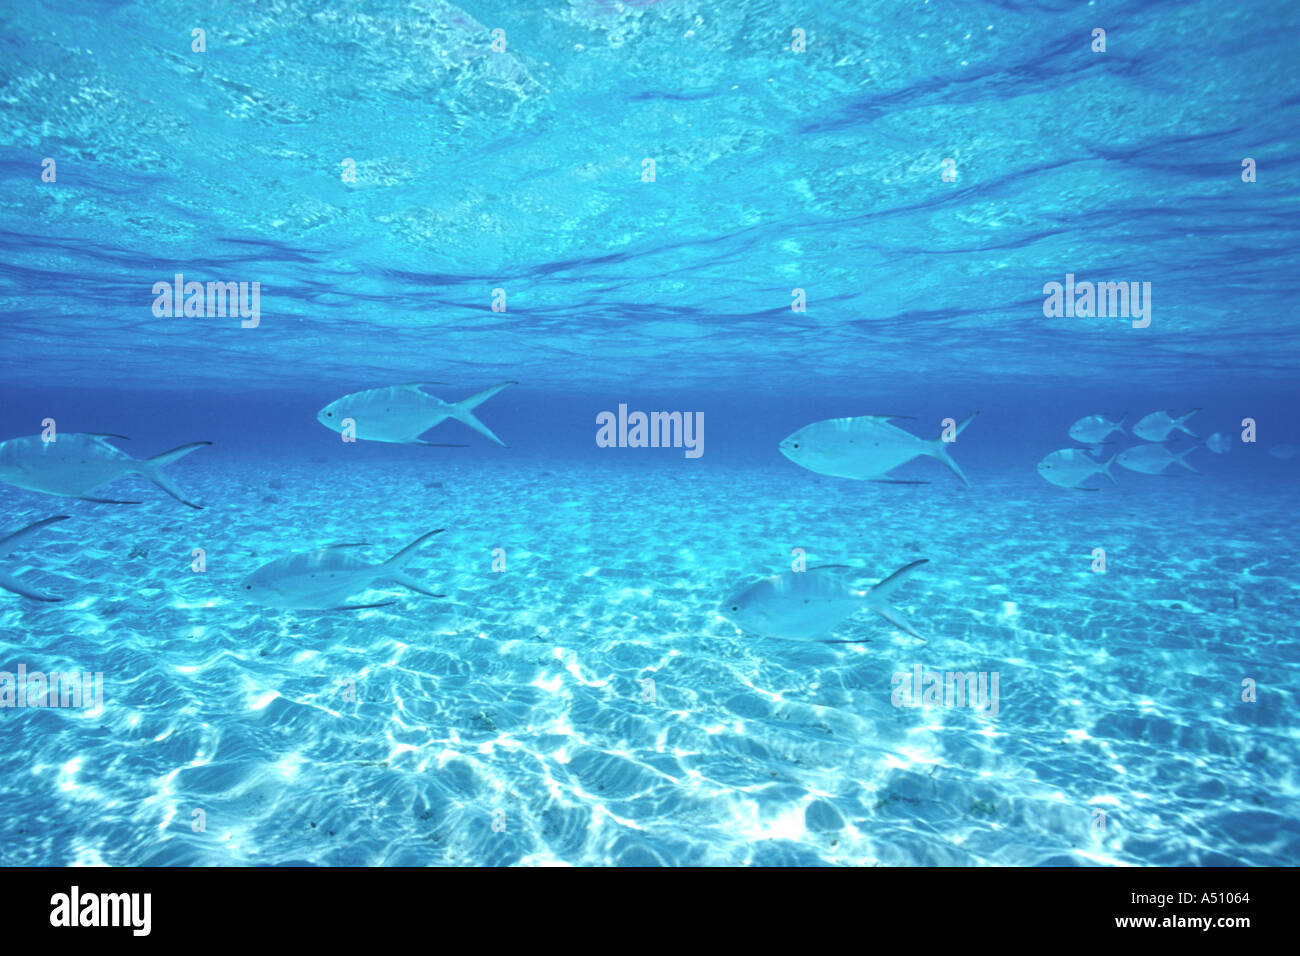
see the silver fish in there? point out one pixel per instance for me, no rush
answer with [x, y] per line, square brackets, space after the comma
[74, 465]
[8, 543]
[1158, 425]
[1071, 467]
[808, 605]
[324, 579]
[1095, 429]
[1153, 459]
[866, 448]
[1283, 451]
[402, 413]
[1219, 443]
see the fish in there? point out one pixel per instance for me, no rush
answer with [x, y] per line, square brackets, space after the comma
[74, 465]
[1071, 467]
[323, 580]
[400, 414]
[1153, 459]
[808, 605]
[866, 448]
[1158, 425]
[1219, 443]
[1095, 429]
[1283, 451]
[8, 543]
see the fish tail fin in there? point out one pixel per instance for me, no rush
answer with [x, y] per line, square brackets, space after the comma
[1180, 459]
[152, 468]
[8, 583]
[406, 581]
[8, 543]
[939, 449]
[942, 454]
[1182, 427]
[961, 427]
[463, 411]
[880, 594]
[395, 567]
[1120, 424]
[11, 541]
[1105, 468]
[398, 561]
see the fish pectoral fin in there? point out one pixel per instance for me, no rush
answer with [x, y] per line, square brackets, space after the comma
[897, 481]
[436, 444]
[106, 501]
[360, 607]
[105, 435]
[17, 587]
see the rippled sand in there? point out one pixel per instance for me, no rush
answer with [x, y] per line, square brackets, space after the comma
[512, 722]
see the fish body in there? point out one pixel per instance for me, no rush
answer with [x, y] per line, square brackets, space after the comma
[1158, 426]
[1095, 429]
[1153, 459]
[324, 579]
[808, 605]
[400, 414]
[11, 541]
[1219, 443]
[1283, 451]
[1071, 467]
[865, 448]
[75, 465]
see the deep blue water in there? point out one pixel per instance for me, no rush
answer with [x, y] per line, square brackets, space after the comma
[577, 695]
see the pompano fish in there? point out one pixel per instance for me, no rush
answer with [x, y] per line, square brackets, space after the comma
[808, 605]
[866, 448]
[402, 413]
[1095, 429]
[324, 579]
[74, 465]
[1153, 459]
[9, 542]
[1158, 425]
[1283, 451]
[1071, 467]
[1219, 443]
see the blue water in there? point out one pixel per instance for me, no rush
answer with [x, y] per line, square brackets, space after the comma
[577, 696]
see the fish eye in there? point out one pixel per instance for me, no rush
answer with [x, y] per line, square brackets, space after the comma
[329, 414]
[796, 444]
[248, 587]
[735, 607]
